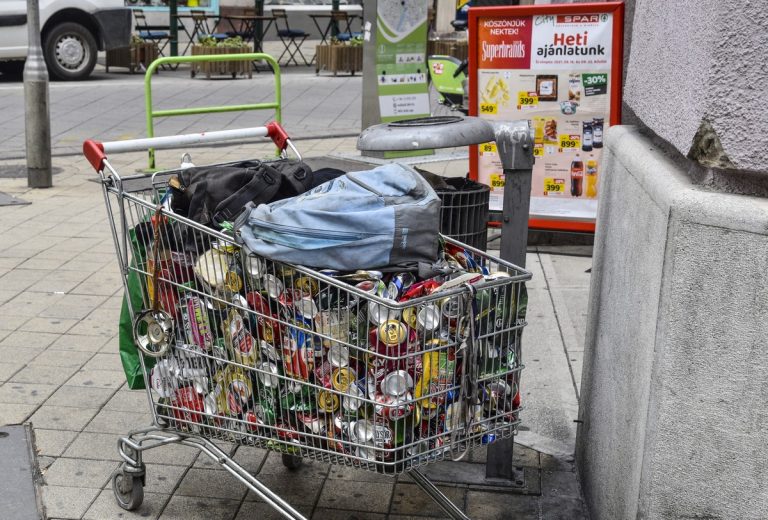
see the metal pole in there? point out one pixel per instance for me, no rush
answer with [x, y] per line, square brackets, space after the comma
[258, 27]
[174, 23]
[514, 143]
[514, 225]
[334, 25]
[36, 105]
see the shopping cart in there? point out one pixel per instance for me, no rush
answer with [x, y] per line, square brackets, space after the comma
[308, 363]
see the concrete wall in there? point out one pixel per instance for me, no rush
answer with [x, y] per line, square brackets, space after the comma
[696, 78]
[674, 386]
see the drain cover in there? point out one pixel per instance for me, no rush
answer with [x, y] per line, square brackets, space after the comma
[10, 200]
[18, 171]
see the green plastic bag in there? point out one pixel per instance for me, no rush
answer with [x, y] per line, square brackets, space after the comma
[129, 352]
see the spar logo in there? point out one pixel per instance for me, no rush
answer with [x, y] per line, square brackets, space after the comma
[577, 18]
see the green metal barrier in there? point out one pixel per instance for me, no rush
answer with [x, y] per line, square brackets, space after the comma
[152, 114]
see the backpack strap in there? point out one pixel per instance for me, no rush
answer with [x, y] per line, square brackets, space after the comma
[263, 185]
[297, 174]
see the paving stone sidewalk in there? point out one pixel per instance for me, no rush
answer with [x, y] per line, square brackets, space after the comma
[60, 294]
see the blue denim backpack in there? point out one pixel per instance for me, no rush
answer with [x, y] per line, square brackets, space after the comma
[387, 216]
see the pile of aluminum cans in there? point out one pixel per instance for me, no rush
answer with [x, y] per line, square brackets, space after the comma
[384, 368]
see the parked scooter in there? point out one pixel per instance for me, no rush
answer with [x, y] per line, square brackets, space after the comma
[449, 77]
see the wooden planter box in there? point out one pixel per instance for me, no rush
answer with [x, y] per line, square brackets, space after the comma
[336, 58]
[232, 68]
[456, 48]
[137, 56]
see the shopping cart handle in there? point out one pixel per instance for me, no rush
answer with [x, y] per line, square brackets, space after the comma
[94, 152]
[278, 134]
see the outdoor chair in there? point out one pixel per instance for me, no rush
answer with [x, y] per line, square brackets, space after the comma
[242, 28]
[202, 29]
[160, 34]
[342, 19]
[291, 38]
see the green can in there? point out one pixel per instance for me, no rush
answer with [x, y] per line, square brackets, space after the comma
[301, 401]
[262, 414]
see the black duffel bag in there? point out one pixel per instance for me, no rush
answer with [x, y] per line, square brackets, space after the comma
[212, 195]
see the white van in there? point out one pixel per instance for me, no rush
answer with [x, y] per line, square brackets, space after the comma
[73, 31]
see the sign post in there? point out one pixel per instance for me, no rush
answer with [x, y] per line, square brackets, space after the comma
[36, 105]
[395, 88]
[558, 66]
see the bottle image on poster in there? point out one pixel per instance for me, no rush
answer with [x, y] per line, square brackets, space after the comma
[555, 71]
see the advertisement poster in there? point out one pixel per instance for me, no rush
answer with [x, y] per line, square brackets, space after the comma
[401, 47]
[558, 71]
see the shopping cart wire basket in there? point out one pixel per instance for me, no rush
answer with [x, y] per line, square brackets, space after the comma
[305, 362]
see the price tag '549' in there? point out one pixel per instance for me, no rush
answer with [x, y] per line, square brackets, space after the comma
[488, 108]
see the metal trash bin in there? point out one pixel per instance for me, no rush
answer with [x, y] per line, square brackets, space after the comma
[464, 213]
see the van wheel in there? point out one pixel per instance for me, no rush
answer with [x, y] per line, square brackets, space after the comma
[70, 51]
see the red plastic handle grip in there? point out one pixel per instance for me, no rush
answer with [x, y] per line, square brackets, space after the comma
[278, 134]
[94, 152]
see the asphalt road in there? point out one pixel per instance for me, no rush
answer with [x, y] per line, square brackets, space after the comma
[111, 106]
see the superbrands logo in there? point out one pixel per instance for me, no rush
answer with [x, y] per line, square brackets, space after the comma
[577, 18]
[504, 42]
[494, 51]
[515, 47]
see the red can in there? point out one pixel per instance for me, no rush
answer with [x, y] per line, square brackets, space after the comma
[398, 351]
[252, 421]
[285, 306]
[183, 266]
[188, 405]
[323, 375]
[269, 328]
[297, 361]
[312, 423]
[287, 432]
[393, 408]
[420, 289]
[167, 296]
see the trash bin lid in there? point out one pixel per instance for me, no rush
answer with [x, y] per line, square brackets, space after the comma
[425, 133]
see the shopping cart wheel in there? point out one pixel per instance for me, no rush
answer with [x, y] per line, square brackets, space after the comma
[291, 461]
[128, 490]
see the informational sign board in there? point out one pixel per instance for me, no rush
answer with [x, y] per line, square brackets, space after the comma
[401, 47]
[558, 66]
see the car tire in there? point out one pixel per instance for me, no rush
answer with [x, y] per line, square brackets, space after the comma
[70, 51]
